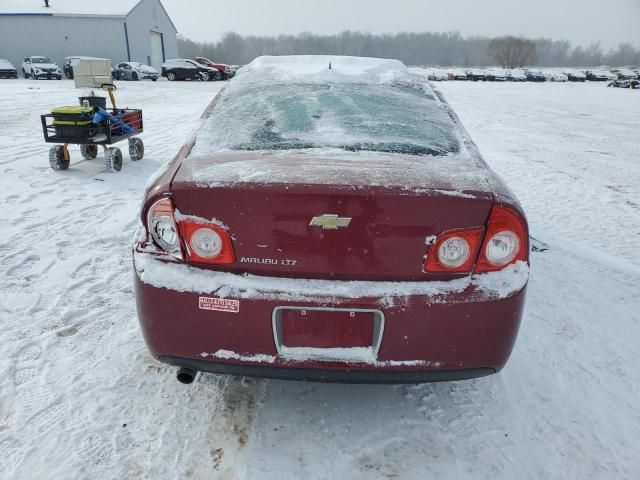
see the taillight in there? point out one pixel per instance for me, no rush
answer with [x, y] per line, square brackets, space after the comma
[207, 243]
[505, 241]
[454, 251]
[161, 225]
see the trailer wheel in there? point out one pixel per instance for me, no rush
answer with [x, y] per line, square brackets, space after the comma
[113, 159]
[136, 149]
[89, 152]
[56, 158]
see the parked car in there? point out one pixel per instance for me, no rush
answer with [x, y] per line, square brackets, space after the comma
[625, 74]
[271, 246]
[37, 67]
[134, 71]
[634, 84]
[185, 69]
[224, 69]
[437, 75]
[516, 75]
[457, 74]
[555, 76]
[7, 70]
[575, 75]
[476, 74]
[534, 75]
[599, 75]
[496, 75]
[70, 63]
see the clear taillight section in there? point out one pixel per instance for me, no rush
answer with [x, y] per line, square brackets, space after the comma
[505, 241]
[454, 251]
[201, 242]
[501, 243]
[162, 227]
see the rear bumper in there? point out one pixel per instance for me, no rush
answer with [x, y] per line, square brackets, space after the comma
[345, 375]
[449, 331]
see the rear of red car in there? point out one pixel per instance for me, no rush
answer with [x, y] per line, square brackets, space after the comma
[382, 258]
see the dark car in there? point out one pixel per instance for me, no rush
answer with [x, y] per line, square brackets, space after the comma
[224, 69]
[476, 74]
[575, 75]
[134, 71]
[331, 225]
[70, 63]
[535, 75]
[186, 69]
[7, 70]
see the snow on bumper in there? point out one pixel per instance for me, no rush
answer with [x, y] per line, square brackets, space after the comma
[185, 278]
[466, 324]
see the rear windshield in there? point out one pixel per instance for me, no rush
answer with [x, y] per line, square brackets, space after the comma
[354, 117]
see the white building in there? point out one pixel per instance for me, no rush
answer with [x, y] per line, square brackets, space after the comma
[122, 30]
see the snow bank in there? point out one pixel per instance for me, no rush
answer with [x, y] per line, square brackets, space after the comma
[184, 278]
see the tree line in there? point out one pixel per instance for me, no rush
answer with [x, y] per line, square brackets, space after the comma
[428, 48]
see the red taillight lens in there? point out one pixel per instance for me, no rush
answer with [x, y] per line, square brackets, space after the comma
[207, 243]
[454, 251]
[505, 241]
[161, 225]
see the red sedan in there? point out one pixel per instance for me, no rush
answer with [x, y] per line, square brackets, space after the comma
[331, 220]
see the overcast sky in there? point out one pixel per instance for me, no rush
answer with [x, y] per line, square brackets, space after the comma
[580, 21]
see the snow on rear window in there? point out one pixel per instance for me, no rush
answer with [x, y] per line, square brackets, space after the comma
[350, 116]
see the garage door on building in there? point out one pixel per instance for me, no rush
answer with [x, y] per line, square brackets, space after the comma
[157, 50]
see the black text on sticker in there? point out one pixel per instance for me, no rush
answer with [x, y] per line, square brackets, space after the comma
[219, 304]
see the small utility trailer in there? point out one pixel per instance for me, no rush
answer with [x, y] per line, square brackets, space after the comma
[90, 124]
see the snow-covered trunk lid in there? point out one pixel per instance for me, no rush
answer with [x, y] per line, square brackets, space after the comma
[325, 229]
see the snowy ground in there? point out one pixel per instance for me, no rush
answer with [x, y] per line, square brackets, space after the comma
[80, 398]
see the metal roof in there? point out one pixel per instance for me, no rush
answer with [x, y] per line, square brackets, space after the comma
[109, 8]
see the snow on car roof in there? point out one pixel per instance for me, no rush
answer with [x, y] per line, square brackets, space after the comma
[315, 69]
[6, 63]
[68, 7]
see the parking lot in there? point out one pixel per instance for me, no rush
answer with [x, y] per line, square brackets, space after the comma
[80, 397]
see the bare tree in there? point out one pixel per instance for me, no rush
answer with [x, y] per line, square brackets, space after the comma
[426, 48]
[512, 52]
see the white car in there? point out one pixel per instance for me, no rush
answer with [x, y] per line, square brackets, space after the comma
[575, 75]
[516, 75]
[625, 74]
[37, 67]
[496, 75]
[437, 75]
[134, 71]
[600, 75]
[555, 76]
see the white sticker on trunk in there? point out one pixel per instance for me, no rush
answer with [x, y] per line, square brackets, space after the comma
[219, 304]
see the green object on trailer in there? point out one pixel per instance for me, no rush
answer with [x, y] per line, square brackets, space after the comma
[75, 115]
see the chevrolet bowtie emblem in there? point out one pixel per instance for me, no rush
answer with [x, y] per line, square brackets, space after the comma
[330, 222]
